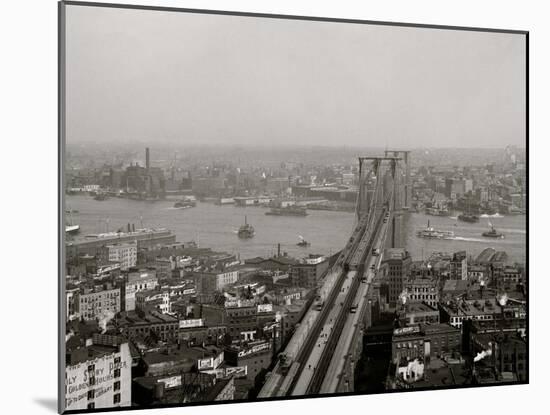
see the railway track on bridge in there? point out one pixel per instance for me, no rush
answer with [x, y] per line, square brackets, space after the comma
[360, 255]
[325, 311]
[292, 374]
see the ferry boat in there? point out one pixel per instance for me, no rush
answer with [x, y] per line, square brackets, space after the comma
[438, 211]
[468, 217]
[432, 233]
[246, 230]
[288, 211]
[492, 233]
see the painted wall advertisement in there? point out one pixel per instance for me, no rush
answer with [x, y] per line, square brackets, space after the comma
[255, 349]
[193, 322]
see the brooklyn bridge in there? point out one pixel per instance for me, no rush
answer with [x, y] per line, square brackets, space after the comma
[322, 354]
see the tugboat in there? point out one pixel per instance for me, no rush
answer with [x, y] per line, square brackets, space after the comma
[431, 233]
[246, 231]
[492, 233]
[303, 242]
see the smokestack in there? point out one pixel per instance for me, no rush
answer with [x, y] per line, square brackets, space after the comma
[147, 158]
[278, 250]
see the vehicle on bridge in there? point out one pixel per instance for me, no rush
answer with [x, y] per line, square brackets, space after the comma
[353, 308]
[318, 305]
[375, 251]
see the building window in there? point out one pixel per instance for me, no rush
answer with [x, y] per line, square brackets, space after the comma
[91, 405]
[91, 394]
[117, 373]
[116, 398]
[116, 385]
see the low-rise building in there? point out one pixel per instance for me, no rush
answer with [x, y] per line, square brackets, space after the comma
[98, 377]
[414, 313]
[246, 323]
[455, 312]
[255, 356]
[509, 278]
[280, 263]
[164, 326]
[477, 273]
[124, 253]
[424, 342]
[505, 353]
[138, 280]
[182, 388]
[423, 290]
[209, 282]
[99, 302]
[308, 272]
[158, 299]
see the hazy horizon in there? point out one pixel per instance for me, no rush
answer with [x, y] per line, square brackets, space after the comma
[183, 79]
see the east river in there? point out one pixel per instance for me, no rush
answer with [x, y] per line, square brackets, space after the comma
[216, 227]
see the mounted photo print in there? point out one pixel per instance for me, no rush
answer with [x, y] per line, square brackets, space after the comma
[263, 207]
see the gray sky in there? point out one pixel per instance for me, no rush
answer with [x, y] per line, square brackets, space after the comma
[191, 78]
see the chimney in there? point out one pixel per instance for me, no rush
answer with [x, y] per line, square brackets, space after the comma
[278, 250]
[147, 158]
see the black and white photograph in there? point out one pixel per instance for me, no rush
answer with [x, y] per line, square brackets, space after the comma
[260, 207]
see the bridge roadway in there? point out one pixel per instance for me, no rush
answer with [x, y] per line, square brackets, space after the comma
[353, 325]
[302, 343]
[308, 370]
[302, 366]
[341, 310]
[274, 383]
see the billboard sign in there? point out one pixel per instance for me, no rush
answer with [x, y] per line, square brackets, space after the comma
[193, 322]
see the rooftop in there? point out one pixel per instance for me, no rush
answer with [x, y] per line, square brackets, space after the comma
[395, 253]
[183, 355]
[132, 318]
[419, 308]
